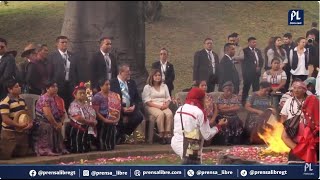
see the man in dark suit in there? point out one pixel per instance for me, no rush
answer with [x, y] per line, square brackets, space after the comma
[131, 115]
[288, 44]
[227, 70]
[103, 64]
[65, 69]
[205, 65]
[166, 68]
[38, 69]
[7, 67]
[251, 67]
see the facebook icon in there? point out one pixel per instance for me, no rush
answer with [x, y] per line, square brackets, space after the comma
[296, 17]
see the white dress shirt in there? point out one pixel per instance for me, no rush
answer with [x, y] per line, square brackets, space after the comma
[255, 53]
[163, 67]
[66, 63]
[301, 69]
[108, 63]
[212, 61]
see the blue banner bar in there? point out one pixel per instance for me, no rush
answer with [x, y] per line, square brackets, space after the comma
[303, 171]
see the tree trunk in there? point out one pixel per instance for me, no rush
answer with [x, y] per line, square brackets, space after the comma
[85, 22]
[152, 10]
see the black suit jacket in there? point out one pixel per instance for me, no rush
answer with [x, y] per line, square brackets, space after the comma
[98, 68]
[288, 49]
[7, 72]
[58, 71]
[249, 66]
[202, 66]
[135, 98]
[169, 74]
[227, 72]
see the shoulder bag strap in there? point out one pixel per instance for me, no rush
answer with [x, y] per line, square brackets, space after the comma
[181, 120]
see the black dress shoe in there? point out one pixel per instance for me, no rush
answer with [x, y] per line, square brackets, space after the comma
[168, 140]
[163, 141]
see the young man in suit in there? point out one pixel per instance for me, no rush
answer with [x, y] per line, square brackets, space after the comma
[131, 115]
[234, 38]
[166, 68]
[251, 67]
[66, 70]
[227, 70]
[103, 64]
[205, 65]
[288, 44]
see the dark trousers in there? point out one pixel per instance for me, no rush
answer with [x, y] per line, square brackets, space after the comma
[133, 121]
[247, 82]
[288, 73]
[65, 92]
[211, 83]
[302, 77]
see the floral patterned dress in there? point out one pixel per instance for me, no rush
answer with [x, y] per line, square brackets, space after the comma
[47, 139]
[78, 139]
[106, 106]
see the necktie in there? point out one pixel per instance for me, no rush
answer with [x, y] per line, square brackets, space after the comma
[125, 94]
[65, 58]
[255, 56]
[108, 65]
[210, 55]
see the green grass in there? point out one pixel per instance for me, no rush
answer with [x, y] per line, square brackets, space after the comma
[182, 27]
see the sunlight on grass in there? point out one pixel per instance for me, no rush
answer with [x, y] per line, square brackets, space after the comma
[181, 29]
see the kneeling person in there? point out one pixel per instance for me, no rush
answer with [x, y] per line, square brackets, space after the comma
[15, 125]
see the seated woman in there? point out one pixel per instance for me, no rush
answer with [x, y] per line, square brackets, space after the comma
[275, 76]
[209, 105]
[156, 99]
[82, 116]
[304, 110]
[107, 105]
[50, 113]
[228, 106]
[191, 128]
[256, 104]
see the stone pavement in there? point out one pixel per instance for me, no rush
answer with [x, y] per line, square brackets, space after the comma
[124, 150]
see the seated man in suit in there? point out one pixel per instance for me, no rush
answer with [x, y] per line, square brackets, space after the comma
[131, 115]
[166, 68]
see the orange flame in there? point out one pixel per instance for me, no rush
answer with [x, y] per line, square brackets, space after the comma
[272, 136]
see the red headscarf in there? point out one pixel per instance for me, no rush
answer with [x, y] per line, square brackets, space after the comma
[195, 97]
[81, 85]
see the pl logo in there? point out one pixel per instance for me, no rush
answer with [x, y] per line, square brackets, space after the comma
[295, 17]
[308, 169]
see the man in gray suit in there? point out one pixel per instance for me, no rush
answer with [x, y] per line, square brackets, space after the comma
[66, 70]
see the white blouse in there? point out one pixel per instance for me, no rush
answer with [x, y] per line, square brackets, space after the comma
[192, 117]
[157, 97]
[301, 69]
[275, 78]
